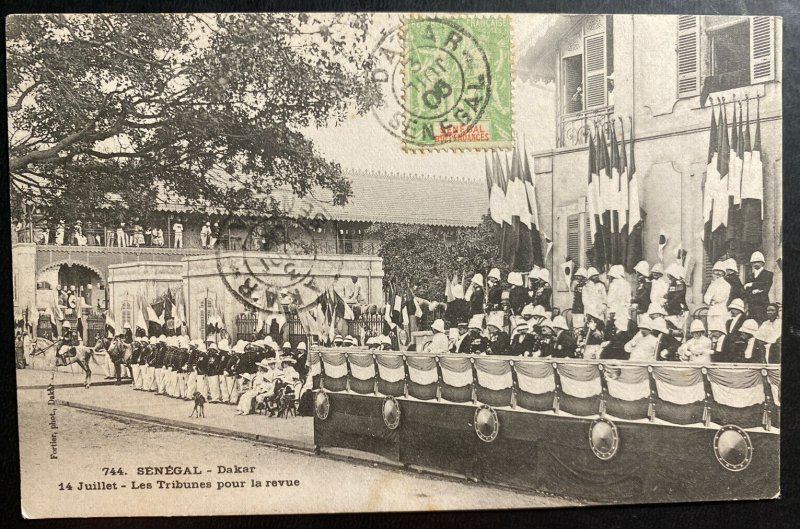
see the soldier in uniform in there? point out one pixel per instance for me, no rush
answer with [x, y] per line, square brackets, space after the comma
[546, 339]
[495, 290]
[499, 342]
[732, 277]
[474, 342]
[578, 320]
[191, 363]
[757, 288]
[641, 297]
[136, 353]
[458, 309]
[676, 306]
[302, 360]
[476, 296]
[518, 295]
[182, 367]
[231, 372]
[523, 343]
[544, 292]
[565, 345]
[169, 368]
[212, 373]
[69, 339]
[202, 369]
[224, 355]
[149, 379]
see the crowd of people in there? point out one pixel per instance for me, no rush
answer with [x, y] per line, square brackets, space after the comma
[250, 375]
[614, 319]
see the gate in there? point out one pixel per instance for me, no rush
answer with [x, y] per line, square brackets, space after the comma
[95, 328]
[246, 326]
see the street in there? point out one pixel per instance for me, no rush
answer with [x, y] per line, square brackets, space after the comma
[101, 460]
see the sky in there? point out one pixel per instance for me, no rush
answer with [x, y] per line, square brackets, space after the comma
[362, 143]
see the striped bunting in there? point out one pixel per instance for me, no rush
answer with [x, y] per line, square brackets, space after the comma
[628, 383]
[774, 376]
[362, 365]
[313, 361]
[335, 365]
[580, 380]
[391, 368]
[422, 370]
[679, 385]
[493, 374]
[738, 388]
[456, 372]
[535, 377]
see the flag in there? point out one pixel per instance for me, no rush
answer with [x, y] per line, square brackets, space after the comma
[533, 210]
[606, 195]
[634, 250]
[140, 322]
[518, 245]
[111, 325]
[615, 202]
[180, 312]
[710, 185]
[753, 189]
[448, 290]
[733, 233]
[597, 250]
[719, 214]
[497, 194]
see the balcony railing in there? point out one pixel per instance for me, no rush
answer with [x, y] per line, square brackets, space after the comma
[574, 128]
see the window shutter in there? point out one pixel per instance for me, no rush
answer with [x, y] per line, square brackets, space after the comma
[688, 55]
[574, 238]
[587, 239]
[762, 49]
[595, 70]
[205, 308]
[126, 313]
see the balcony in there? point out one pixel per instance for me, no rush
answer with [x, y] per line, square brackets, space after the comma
[574, 128]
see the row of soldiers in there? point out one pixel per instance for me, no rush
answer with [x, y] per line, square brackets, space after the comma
[178, 367]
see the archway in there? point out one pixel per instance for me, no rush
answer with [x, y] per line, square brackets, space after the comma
[78, 278]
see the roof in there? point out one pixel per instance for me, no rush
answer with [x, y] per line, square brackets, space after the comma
[380, 196]
[537, 55]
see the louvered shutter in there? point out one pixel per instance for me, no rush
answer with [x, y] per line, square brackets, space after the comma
[762, 49]
[688, 55]
[574, 238]
[595, 70]
[127, 313]
[587, 239]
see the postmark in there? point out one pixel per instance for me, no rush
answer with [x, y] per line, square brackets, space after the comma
[457, 83]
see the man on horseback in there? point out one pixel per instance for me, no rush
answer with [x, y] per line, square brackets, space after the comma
[69, 342]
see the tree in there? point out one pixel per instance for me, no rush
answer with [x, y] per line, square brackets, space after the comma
[109, 111]
[425, 257]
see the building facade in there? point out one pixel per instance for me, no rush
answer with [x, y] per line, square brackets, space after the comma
[659, 74]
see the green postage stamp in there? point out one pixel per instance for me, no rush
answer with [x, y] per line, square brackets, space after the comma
[458, 90]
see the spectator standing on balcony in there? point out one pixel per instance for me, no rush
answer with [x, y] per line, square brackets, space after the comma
[177, 229]
[732, 277]
[215, 235]
[148, 236]
[158, 237]
[60, 230]
[352, 292]
[77, 230]
[659, 285]
[717, 295]
[205, 236]
[122, 241]
[138, 235]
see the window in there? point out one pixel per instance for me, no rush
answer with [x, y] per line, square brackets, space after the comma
[716, 53]
[127, 313]
[579, 239]
[206, 311]
[350, 237]
[587, 64]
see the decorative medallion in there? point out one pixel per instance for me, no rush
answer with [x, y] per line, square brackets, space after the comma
[733, 448]
[487, 425]
[604, 438]
[391, 412]
[322, 405]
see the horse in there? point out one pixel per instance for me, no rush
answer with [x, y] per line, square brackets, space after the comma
[119, 352]
[55, 355]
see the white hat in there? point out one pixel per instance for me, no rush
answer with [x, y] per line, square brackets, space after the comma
[153, 340]
[616, 271]
[645, 323]
[544, 275]
[476, 322]
[286, 345]
[66, 325]
[494, 273]
[385, 340]
[201, 347]
[656, 308]
[533, 274]
[302, 346]
[657, 268]
[495, 319]
[642, 267]
[126, 325]
[438, 325]
[162, 339]
[538, 310]
[247, 376]
[478, 279]
[239, 347]
[212, 345]
[719, 266]
[592, 271]
[521, 326]
[224, 345]
[730, 265]
[675, 270]
[349, 339]
[560, 323]
[757, 257]
[580, 272]
[515, 278]
[338, 338]
[546, 323]
[659, 325]
[715, 324]
[265, 363]
[749, 326]
[737, 304]
[458, 292]
[527, 310]
[697, 326]
[373, 340]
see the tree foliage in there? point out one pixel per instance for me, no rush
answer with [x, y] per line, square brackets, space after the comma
[112, 110]
[425, 257]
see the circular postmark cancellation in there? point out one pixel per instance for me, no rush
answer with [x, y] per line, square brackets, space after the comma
[281, 261]
[440, 82]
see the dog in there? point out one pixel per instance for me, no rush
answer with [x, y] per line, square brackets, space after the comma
[199, 405]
